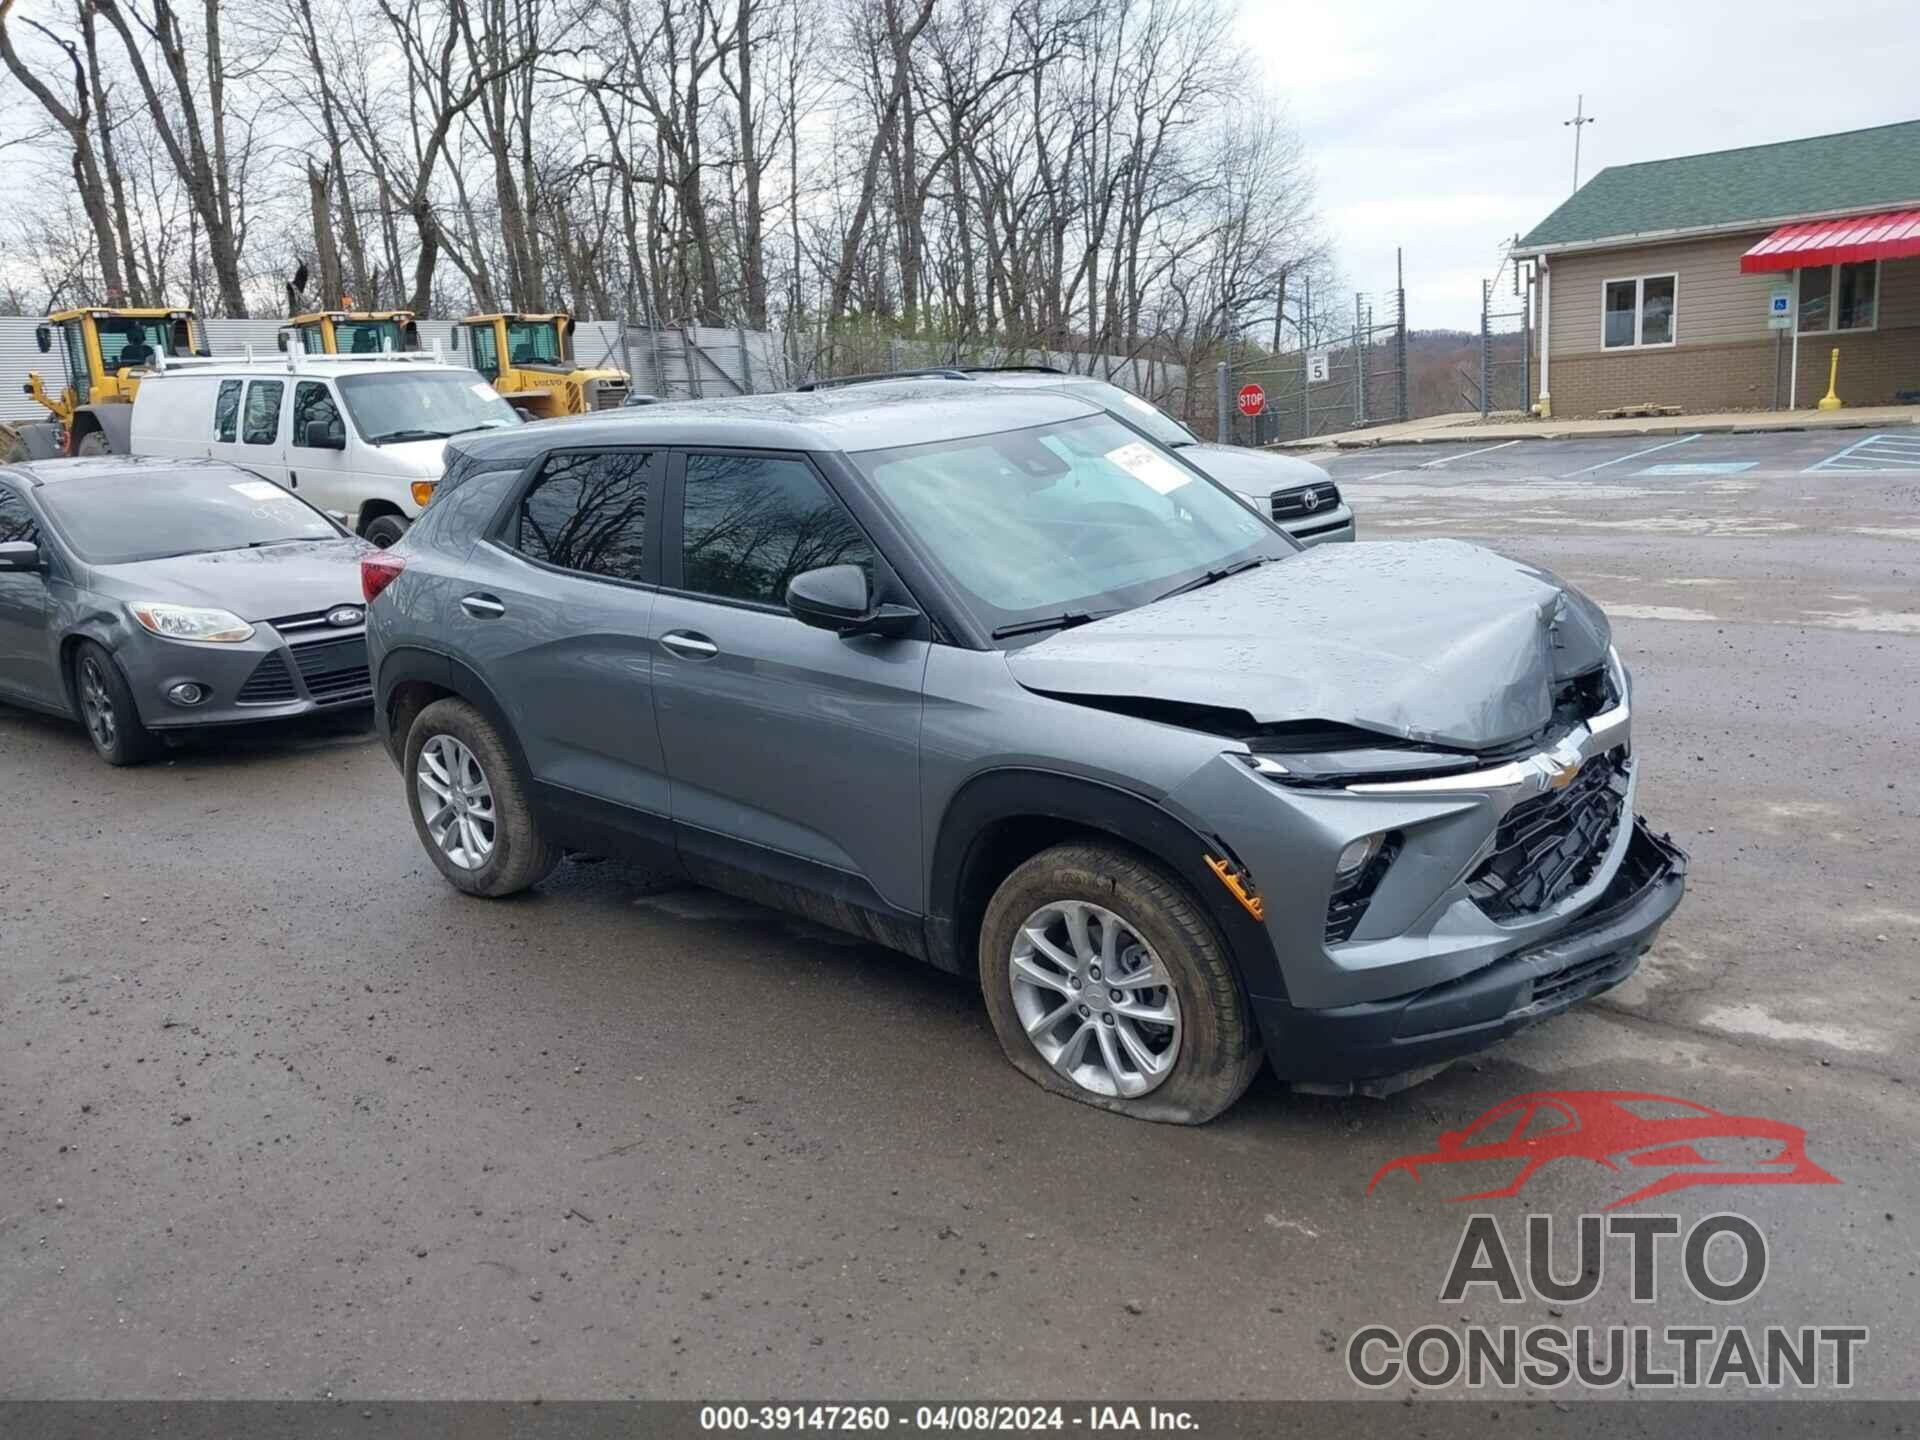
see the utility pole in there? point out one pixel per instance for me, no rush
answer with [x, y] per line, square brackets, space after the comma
[1579, 122]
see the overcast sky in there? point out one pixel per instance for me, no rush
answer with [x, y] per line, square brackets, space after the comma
[1437, 126]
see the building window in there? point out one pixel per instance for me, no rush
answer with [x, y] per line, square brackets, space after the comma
[1839, 297]
[1638, 311]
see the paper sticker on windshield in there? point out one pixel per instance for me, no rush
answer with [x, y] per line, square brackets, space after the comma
[483, 390]
[1149, 467]
[257, 490]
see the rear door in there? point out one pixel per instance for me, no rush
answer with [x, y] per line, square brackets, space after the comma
[553, 612]
[793, 753]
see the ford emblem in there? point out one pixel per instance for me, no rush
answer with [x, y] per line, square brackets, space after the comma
[346, 615]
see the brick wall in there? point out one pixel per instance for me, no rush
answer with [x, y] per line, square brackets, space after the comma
[1874, 368]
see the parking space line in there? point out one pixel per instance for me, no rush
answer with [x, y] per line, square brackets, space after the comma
[1436, 464]
[1634, 455]
[1874, 453]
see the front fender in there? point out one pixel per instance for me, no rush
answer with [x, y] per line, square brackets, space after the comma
[955, 906]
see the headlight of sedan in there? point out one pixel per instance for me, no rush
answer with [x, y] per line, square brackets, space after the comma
[190, 622]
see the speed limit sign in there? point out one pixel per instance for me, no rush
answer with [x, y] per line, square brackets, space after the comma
[1252, 400]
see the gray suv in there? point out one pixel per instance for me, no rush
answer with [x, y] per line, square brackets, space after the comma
[1301, 498]
[989, 678]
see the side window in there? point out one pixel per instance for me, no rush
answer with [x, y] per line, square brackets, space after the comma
[263, 412]
[313, 405]
[589, 513]
[16, 521]
[486, 355]
[226, 413]
[751, 523]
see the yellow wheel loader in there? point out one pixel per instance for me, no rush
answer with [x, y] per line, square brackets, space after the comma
[355, 332]
[102, 355]
[529, 360]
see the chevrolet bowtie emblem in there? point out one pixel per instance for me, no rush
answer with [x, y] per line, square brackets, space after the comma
[1562, 774]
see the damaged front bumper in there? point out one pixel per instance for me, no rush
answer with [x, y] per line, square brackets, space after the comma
[1380, 1046]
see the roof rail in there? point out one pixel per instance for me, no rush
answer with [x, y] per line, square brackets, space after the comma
[941, 372]
[1014, 370]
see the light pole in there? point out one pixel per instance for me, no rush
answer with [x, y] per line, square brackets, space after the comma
[1579, 121]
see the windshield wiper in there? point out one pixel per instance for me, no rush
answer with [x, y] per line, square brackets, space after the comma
[286, 540]
[1214, 577]
[408, 435]
[1065, 621]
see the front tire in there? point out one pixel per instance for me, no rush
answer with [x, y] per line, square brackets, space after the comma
[1108, 984]
[94, 442]
[107, 708]
[383, 530]
[469, 804]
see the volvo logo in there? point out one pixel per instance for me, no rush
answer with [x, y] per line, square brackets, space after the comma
[1309, 499]
[346, 615]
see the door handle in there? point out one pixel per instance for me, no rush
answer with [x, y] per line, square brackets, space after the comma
[689, 646]
[482, 607]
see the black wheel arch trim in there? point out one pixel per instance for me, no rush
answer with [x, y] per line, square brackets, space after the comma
[412, 663]
[1030, 793]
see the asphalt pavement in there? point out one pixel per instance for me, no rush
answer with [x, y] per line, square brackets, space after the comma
[282, 1115]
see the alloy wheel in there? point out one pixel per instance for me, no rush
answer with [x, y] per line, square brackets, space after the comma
[96, 704]
[456, 801]
[1094, 998]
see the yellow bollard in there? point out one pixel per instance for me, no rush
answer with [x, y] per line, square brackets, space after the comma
[1831, 400]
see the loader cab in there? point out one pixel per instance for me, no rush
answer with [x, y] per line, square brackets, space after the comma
[515, 342]
[365, 332]
[96, 345]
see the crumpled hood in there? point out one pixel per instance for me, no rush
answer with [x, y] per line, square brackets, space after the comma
[1250, 471]
[1436, 641]
[258, 584]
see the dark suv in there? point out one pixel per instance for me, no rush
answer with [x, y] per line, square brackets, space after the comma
[988, 677]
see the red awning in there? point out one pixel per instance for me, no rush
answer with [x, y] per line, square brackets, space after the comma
[1890, 235]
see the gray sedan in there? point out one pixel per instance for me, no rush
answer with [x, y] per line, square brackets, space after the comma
[141, 596]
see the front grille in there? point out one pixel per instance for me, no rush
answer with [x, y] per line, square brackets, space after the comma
[270, 684]
[1347, 906]
[609, 395]
[312, 619]
[335, 670]
[1305, 500]
[1548, 847]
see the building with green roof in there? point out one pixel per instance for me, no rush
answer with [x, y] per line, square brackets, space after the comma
[1723, 281]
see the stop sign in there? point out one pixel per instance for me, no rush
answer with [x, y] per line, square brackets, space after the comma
[1252, 400]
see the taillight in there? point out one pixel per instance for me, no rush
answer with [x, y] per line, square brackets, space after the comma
[379, 569]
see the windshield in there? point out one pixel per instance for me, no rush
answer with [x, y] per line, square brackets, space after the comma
[533, 342]
[1141, 414]
[367, 337]
[423, 405]
[145, 514]
[1079, 517]
[126, 343]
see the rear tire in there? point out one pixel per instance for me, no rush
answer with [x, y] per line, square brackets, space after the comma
[1139, 924]
[107, 709]
[481, 833]
[94, 442]
[383, 530]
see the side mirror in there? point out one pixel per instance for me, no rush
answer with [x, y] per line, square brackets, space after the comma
[410, 337]
[43, 337]
[322, 436]
[19, 555]
[836, 598]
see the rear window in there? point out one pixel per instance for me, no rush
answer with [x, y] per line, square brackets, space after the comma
[139, 514]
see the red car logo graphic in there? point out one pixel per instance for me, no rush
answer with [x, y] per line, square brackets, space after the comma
[1623, 1130]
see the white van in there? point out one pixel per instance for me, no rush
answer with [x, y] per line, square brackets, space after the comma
[358, 435]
